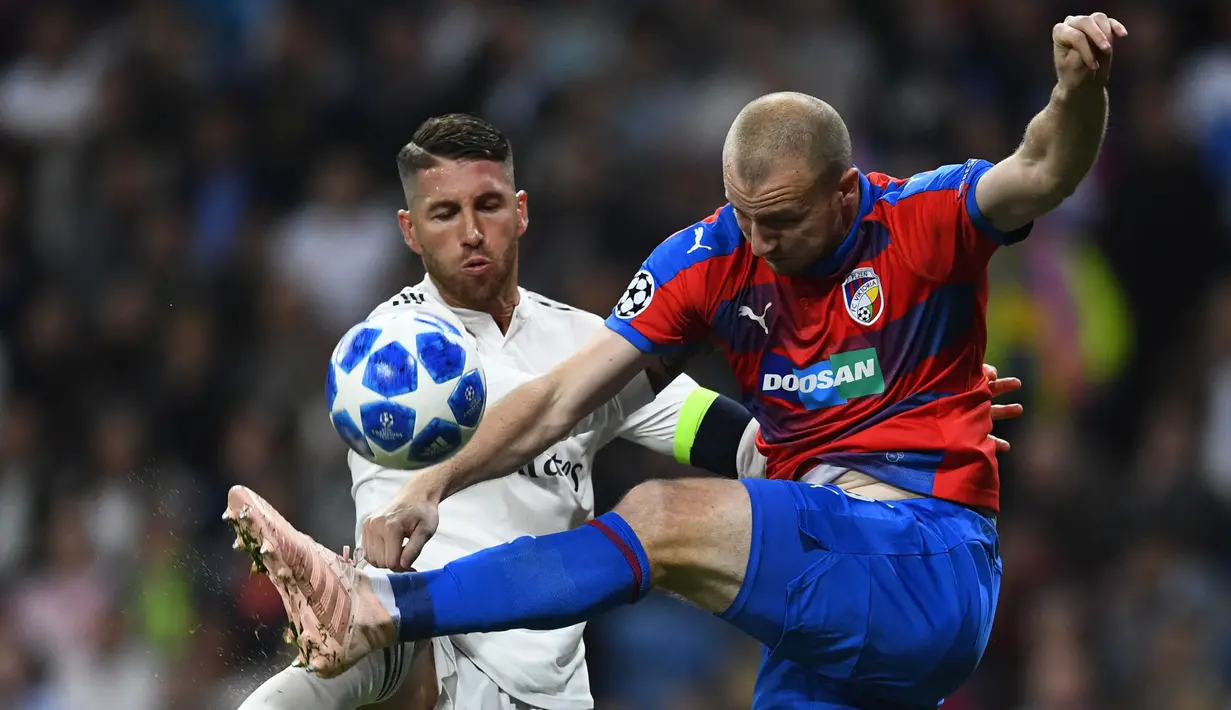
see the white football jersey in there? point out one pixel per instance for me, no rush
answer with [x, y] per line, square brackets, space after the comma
[551, 494]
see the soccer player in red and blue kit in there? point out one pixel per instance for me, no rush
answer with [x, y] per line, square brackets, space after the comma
[851, 309]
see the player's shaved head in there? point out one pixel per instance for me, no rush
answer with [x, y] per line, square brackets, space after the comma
[786, 128]
[454, 136]
[787, 170]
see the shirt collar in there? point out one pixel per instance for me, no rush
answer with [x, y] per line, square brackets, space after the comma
[469, 317]
[830, 264]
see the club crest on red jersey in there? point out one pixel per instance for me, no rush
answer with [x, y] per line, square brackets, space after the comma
[864, 295]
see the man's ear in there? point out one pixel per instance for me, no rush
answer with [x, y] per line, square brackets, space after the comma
[408, 231]
[523, 212]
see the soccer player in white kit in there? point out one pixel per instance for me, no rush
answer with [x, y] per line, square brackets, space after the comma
[464, 220]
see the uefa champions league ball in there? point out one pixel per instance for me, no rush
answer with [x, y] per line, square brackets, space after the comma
[405, 390]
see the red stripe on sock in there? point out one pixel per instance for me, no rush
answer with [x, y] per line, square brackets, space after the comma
[629, 555]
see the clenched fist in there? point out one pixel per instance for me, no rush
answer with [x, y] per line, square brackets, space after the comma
[1081, 48]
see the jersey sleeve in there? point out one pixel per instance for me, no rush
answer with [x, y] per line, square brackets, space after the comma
[609, 418]
[938, 225]
[698, 427]
[654, 425]
[665, 306]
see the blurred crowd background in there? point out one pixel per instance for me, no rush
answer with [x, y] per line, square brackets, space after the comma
[197, 198]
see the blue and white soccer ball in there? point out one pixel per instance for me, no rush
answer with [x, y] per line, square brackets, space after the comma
[405, 390]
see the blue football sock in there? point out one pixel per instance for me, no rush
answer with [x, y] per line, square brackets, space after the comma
[546, 582]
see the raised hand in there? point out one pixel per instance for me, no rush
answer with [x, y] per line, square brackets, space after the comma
[1082, 47]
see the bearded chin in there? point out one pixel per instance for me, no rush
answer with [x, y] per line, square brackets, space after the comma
[471, 292]
[484, 289]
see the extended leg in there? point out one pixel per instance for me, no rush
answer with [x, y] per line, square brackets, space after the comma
[377, 677]
[688, 537]
[692, 537]
[697, 534]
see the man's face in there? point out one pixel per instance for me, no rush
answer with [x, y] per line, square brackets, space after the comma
[464, 221]
[792, 219]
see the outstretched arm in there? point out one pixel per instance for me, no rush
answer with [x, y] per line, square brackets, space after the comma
[1063, 140]
[539, 413]
[693, 424]
[522, 425]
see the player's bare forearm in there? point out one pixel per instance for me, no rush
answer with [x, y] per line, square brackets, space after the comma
[536, 415]
[1063, 140]
[513, 432]
[1061, 144]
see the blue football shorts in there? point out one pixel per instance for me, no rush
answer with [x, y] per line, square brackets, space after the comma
[864, 604]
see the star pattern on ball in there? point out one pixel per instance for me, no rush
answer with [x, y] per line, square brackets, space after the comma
[469, 399]
[403, 391]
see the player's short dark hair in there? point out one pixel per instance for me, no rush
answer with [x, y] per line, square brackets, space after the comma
[453, 136]
[788, 124]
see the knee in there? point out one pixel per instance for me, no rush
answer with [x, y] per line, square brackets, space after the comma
[647, 510]
[696, 533]
[673, 518]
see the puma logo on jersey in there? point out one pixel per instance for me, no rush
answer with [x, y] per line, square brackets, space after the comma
[746, 312]
[697, 235]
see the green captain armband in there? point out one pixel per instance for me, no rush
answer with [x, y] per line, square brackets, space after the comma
[691, 414]
[709, 432]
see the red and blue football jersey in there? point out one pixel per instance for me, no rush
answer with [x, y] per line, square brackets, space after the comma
[873, 360]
